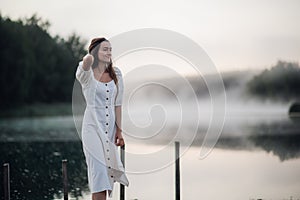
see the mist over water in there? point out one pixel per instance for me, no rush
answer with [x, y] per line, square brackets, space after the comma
[255, 137]
[157, 107]
[162, 111]
[157, 115]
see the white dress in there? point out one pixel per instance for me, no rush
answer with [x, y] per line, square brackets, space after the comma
[98, 130]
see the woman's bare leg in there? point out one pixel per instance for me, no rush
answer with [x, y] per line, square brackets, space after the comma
[99, 196]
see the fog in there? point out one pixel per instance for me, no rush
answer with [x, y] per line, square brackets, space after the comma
[166, 104]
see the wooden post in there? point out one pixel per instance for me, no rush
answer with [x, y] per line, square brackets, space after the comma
[177, 171]
[122, 187]
[65, 179]
[6, 181]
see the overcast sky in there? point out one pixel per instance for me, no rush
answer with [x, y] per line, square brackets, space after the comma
[236, 34]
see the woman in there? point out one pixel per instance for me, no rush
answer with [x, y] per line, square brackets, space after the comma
[102, 87]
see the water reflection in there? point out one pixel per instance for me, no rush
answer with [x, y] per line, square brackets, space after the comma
[284, 146]
[35, 150]
[35, 168]
[282, 138]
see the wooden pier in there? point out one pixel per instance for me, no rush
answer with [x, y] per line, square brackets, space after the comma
[6, 176]
[6, 181]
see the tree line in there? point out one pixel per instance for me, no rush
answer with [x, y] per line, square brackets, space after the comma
[35, 66]
[281, 82]
[39, 68]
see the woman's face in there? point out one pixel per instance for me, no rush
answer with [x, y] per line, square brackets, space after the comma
[104, 53]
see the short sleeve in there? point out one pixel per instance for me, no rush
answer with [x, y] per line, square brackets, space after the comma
[84, 77]
[120, 91]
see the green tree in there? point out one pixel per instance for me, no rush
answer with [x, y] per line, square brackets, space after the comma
[36, 67]
[281, 82]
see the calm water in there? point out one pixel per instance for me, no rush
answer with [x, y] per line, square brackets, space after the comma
[255, 157]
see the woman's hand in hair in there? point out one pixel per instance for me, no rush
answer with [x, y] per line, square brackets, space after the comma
[88, 60]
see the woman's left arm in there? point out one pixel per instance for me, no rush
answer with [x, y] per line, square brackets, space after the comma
[119, 140]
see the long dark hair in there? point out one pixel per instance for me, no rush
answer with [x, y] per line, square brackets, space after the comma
[93, 50]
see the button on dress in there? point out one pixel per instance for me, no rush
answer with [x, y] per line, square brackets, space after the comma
[98, 130]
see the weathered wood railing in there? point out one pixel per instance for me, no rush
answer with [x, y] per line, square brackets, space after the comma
[6, 176]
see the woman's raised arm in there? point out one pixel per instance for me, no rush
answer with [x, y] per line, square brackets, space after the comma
[88, 60]
[83, 72]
